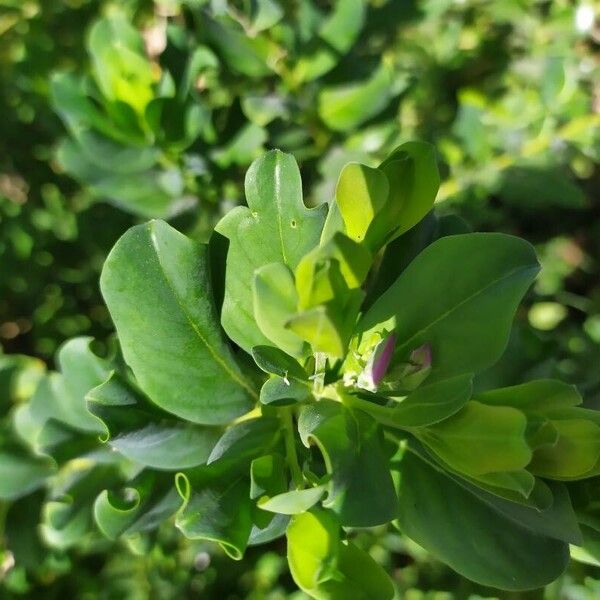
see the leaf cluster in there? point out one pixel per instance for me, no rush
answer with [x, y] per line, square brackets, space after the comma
[307, 373]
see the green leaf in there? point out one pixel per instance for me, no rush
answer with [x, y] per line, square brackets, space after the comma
[351, 444]
[246, 440]
[64, 524]
[157, 288]
[275, 227]
[274, 530]
[61, 396]
[218, 510]
[62, 442]
[22, 473]
[142, 193]
[328, 569]
[589, 554]
[459, 296]
[275, 301]
[470, 535]
[265, 14]
[328, 327]
[412, 172]
[264, 109]
[575, 454]
[346, 106]
[313, 546]
[565, 438]
[267, 476]
[556, 519]
[519, 486]
[318, 273]
[533, 396]
[428, 404]
[358, 577]
[245, 145]
[79, 112]
[276, 362]
[243, 54]
[293, 502]
[21, 531]
[68, 516]
[145, 434]
[360, 194]
[120, 66]
[281, 392]
[398, 254]
[177, 122]
[480, 439]
[337, 33]
[81, 370]
[114, 157]
[141, 506]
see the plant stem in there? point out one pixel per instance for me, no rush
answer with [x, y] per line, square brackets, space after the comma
[319, 376]
[290, 447]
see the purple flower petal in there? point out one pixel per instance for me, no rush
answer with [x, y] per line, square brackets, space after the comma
[382, 358]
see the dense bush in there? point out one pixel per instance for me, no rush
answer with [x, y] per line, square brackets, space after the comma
[166, 127]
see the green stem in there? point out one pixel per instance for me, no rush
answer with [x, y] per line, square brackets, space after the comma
[319, 377]
[290, 447]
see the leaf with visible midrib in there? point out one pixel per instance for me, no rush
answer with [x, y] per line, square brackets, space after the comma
[276, 227]
[459, 295]
[479, 539]
[142, 432]
[156, 285]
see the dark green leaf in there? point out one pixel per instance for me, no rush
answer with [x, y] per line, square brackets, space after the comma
[217, 511]
[459, 296]
[246, 440]
[157, 287]
[276, 362]
[22, 473]
[143, 433]
[351, 443]
[267, 476]
[470, 535]
[139, 507]
[346, 106]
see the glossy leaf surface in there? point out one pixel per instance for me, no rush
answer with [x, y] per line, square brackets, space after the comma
[157, 287]
[459, 296]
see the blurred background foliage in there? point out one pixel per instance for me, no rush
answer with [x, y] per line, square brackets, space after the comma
[115, 112]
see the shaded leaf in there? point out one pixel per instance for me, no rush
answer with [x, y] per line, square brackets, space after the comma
[215, 510]
[143, 433]
[472, 537]
[351, 443]
[139, 507]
